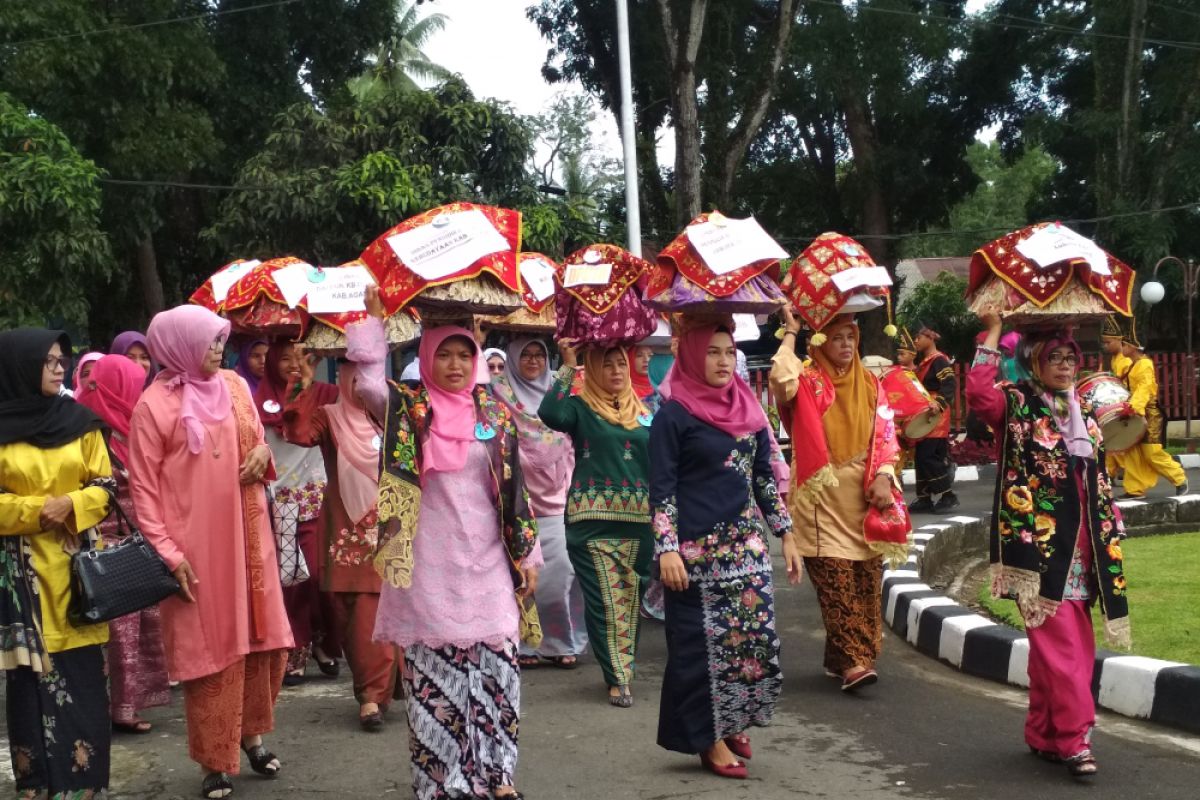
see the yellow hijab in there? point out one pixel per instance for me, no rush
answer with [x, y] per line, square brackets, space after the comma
[622, 409]
[849, 422]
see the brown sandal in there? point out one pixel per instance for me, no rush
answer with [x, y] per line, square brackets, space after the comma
[1083, 765]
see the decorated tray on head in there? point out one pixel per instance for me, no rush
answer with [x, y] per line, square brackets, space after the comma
[537, 313]
[255, 297]
[718, 264]
[835, 275]
[461, 256]
[1048, 275]
[597, 302]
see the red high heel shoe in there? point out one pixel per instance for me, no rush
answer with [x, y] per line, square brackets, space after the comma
[739, 743]
[736, 770]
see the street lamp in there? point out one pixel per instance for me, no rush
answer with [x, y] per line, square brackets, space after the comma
[1153, 292]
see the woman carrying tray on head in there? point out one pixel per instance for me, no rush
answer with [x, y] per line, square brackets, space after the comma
[547, 460]
[710, 451]
[348, 529]
[844, 461]
[608, 503]
[1056, 533]
[456, 534]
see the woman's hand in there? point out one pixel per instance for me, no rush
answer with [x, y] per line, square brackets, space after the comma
[55, 513]
[990, 317]
[674, 574]
[879, 493]
[570, 354]
[790, 325]
[307, 366]
[374, 302]
[791, 557]
[183, 573]
[255, 465]
[529, 579]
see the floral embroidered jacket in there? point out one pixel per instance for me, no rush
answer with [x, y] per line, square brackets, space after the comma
[611, 476]
[707, 489]
[1043, 496]
[406, 423]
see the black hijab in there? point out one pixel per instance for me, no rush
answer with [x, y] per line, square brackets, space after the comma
[27, 415]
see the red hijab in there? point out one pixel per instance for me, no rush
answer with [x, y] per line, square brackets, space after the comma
[640, 381]
[119, 383]
[731, 408]
[272, 394]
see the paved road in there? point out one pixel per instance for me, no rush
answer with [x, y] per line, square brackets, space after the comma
[925, 732]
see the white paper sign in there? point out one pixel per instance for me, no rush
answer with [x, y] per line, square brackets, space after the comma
[224, 280]
[1054, 243]
[745, 328]
[341, 291]
[452, 242]
[856, 277]
[728, 244]
[538, 274]
[293, 282]
[587, 275]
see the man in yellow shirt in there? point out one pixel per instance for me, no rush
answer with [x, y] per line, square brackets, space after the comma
[1144, 462]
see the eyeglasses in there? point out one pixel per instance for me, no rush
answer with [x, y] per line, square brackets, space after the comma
[536, 355]
[217, 346]
[495, 369]
[61, 362]
[1070, 359]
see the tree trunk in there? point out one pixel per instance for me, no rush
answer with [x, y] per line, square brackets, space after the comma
[683, 45]
[153, 299]
[751, 117]
[1131, 90]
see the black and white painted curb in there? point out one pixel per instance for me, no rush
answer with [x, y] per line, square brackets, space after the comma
[1166, 692]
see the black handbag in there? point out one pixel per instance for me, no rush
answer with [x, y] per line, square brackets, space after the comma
[118, 580]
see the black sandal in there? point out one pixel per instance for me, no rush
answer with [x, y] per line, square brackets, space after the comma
[1083, 765]
[260, 760]
[564, 662]
[216, 786]
[330, 668]
[529, 662]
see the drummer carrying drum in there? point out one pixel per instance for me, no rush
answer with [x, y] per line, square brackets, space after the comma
[1144, 462]
[933, 464]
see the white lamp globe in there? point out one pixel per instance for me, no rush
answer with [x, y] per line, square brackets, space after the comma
[1153, 292]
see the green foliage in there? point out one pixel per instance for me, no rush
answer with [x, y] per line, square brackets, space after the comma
[940, 304]
[332, 180]
[1000, 203]
[399, 62]
[51, 245]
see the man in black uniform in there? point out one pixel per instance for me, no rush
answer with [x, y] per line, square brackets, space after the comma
[933, 465]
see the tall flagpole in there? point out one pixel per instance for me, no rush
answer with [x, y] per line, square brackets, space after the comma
[633, 221]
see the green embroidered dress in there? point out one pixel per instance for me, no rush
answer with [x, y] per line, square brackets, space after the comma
[608, 523]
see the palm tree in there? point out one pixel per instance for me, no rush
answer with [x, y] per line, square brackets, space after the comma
[399, 62]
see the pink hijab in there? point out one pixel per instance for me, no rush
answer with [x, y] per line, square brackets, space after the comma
[119, 383]
[731, 408]
[179, 339]
[355, 435]
[77, 382]
[453, 413]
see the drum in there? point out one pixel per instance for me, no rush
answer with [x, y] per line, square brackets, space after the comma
[1120, 426]
[910, 400]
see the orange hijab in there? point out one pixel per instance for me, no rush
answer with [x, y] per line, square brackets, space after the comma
[850, 420]
[621, 409]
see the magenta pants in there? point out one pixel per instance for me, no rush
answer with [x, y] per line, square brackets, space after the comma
[1062, 656]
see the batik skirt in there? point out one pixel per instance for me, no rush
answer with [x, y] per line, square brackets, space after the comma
[137, 664]
[59, 728]
[723, 673]
[463, 713]
[849, 595]
[612, 565]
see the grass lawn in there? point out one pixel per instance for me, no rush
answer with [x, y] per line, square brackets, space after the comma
[1164, 597]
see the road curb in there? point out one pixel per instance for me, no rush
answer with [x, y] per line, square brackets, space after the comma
[1165, 692]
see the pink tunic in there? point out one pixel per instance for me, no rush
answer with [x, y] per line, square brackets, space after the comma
[462, 590]
[189, 507]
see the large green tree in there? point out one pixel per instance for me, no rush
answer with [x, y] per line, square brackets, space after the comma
[51, 245]
[330, 180]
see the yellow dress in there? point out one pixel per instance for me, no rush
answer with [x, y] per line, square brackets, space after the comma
[31, 475]
[1145, 462]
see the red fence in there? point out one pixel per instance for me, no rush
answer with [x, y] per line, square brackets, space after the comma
[1170, 367]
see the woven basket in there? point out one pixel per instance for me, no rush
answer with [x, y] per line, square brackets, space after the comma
[523, 321]
[401, 330]
[1075, 305]
[482, 294]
